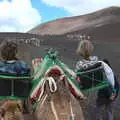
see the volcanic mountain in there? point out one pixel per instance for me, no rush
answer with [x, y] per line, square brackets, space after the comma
[105, 20]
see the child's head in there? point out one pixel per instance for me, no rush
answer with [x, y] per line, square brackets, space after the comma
[85, 49]
[9, 51]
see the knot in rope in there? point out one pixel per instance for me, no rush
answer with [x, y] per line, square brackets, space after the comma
[52, 86]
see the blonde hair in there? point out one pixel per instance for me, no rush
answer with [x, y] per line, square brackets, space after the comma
[85, 49]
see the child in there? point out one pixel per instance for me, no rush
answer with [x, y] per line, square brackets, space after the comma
[105, 95]
[10, 65]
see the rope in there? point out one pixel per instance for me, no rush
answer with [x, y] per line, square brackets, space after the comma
[72, 117]
[41, 103]
[52, 86]
[54, 110]
[52, 83]
[41, 86]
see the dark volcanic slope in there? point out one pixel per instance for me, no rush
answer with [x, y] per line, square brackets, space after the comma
[16, 35]
[108, 32]
[97, 20]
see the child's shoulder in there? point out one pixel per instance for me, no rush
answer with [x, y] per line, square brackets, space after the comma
[21, 63]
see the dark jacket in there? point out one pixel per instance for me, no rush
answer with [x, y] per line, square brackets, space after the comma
[107, 91]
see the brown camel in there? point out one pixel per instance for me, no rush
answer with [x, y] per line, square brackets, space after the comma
[11, 110]
[58, 105]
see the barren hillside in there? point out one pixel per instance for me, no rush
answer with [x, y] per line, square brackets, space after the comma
[70, 24]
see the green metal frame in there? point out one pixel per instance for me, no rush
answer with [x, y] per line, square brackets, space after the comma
[49, 60]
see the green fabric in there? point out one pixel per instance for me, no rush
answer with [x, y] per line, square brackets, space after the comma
[47, 65]
[12, 98]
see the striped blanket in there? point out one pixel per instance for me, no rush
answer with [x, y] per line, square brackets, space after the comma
[52, 74]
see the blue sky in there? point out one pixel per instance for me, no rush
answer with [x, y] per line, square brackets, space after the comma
[23, 15]
[49, 12]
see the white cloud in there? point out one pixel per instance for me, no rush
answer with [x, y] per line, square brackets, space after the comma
[79, 7]
[18, 16]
